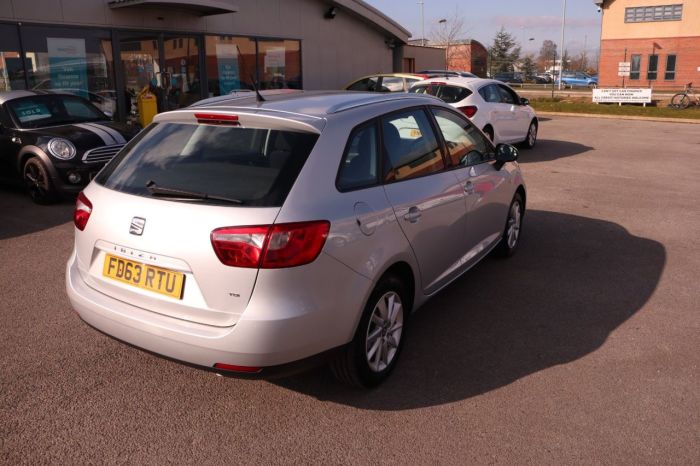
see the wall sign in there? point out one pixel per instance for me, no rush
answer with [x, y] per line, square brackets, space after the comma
[227, 61]
[68, 64]
[625, 96]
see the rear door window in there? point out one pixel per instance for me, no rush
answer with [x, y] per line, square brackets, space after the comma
[247, 166]
[410, 146]
[448, 94]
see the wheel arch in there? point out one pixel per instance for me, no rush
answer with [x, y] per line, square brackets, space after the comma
[28, 152]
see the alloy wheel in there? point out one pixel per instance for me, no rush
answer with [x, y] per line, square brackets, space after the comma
[384, 332]
[514, 218]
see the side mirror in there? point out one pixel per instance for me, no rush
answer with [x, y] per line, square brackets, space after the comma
[505, 153]
[524, 101]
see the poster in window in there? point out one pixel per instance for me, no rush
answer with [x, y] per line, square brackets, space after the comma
[68, 64]
[227, 61]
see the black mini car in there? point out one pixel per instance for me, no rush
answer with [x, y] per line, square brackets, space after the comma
[55, 142]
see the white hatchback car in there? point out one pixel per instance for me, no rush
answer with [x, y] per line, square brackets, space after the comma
[247, 236]
[491, 105]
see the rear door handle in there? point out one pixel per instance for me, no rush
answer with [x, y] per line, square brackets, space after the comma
[413, 215]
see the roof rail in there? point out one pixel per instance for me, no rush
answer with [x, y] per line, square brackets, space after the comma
[370, 100]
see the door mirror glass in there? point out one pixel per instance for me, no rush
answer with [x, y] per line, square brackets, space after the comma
[506, 153]
[524, 101]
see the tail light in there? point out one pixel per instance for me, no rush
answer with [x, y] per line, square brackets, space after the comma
[83, 209]
[270, 246]
[469, 110]
[217, 119]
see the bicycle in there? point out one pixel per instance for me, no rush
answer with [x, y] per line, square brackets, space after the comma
[683, 99]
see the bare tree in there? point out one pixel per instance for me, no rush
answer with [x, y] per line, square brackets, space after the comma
[449, 34]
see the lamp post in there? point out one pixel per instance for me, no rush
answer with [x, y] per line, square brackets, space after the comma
[447, 43]
[561, 64]
[422, 23]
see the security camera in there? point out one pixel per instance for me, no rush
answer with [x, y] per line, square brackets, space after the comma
[599, 9]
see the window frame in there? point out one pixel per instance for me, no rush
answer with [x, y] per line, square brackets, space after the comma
[378, 147]
[675, 67]
[648, 14]
[635, 75]
[655, 59]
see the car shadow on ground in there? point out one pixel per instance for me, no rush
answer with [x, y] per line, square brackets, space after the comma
[550, 149]
[573, 281]
[20, 216]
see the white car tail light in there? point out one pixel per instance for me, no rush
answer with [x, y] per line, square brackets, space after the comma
[83, 209]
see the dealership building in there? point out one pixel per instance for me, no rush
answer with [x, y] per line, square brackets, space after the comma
[185, 50]
[659, 40]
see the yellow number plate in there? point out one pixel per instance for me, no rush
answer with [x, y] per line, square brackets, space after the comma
[144, 276]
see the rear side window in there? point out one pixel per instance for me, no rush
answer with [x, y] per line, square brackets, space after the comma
[366, 84]
[359, 166]
[410, 146]
[250, 166]
[392, 84]
[448, 94]
[490, 93]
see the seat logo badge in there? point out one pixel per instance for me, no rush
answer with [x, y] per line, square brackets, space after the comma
[137, 226]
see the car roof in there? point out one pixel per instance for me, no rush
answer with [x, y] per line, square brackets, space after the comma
[319, 104]
[458, 81]
[12, 95]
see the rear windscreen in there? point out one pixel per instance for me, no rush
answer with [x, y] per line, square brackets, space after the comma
[249, 166]
[448, 94]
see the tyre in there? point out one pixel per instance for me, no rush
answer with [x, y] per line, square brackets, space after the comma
[372, 354]
[531, 138]
[511, 234]
[680, 100]
[38, 182]
[488, 131]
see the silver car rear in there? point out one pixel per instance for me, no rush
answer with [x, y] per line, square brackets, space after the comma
[240, 235]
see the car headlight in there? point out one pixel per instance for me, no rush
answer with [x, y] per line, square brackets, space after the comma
[61, 148]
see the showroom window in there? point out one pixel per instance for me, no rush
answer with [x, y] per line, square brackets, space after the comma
[11, 72]
[230, 63]
[670, 74]
[77, 61]
[279, 64]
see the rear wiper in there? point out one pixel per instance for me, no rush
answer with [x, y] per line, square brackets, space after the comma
[184, 194]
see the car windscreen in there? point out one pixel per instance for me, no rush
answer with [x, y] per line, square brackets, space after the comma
[51, 110]
[210, 164]
[448, 94]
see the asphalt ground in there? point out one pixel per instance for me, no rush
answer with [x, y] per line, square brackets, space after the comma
[581, 349]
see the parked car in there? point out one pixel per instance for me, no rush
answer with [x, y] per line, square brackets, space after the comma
[393, 82]
[514, 78]
[437, 73]
[571, 79]
[248, 236]
[492, 106]
[55, 142]
[536, 79]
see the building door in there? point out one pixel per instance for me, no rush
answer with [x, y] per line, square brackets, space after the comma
[167, 65]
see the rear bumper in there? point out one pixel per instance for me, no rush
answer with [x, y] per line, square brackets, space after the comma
[280, 325]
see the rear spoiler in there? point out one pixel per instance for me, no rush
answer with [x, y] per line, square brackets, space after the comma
[245, 117]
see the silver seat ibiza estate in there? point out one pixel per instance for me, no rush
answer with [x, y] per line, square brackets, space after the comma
[253, 235]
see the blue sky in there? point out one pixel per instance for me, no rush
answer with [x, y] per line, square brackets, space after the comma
[524, 19]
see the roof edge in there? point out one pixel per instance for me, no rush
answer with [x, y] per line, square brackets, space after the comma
[376, 17]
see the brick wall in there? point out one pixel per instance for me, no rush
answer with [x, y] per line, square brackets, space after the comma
[686, 49]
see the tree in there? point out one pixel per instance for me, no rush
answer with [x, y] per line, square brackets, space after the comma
[448, 35]
[528, 66]
[548, 52]
[503, 53]
[565, 59]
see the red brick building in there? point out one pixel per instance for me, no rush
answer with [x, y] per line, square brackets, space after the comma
[661, 40]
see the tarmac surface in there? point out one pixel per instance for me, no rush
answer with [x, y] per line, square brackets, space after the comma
[581, 349]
